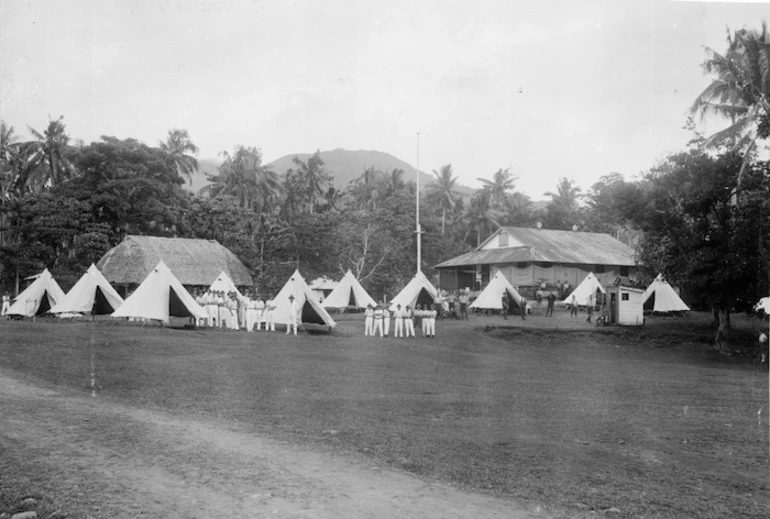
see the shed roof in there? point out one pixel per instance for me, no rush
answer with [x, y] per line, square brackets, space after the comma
[548, 246]
[193, 262]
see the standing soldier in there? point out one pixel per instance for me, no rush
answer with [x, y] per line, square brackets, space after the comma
[369, 320]
[399, 315]
[590, 307]
[409, 321]
[463, 300]
[386, 318]
[377, 320]
[251, 312]
[573, 310]
[432, 315]
[270, 315]
[506, 305]
[6, 304]
[551, 301]
[259, 313]
[293, 316]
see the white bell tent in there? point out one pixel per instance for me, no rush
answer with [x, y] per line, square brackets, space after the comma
[38, 298]
[92, 294]
[309, 309]
[588, 287]
[348, 293]
[159, 297]
[224, 283]
[419, 291]
[491, 298]
[661, 297]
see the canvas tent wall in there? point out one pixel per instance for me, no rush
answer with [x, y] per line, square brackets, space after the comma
[310, 310]
[491, 298]
[588, 287]
[38, 298]
[92, 294]
[348, 293]
[661, 297]
[419, 291]
[225, 284]
[160, 297]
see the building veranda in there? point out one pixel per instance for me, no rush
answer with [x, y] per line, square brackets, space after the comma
[533, 258]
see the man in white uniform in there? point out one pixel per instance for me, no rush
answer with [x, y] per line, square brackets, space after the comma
[399, 315]
[259, 312]
[6, 304]
[377, 321]
[270, 315]
[369, 320]
[293, 316]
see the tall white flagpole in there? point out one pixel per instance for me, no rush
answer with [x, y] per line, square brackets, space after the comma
[418, 231]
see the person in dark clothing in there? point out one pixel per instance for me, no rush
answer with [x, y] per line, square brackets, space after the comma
[551, 302]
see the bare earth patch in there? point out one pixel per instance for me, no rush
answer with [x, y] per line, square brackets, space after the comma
[106, 459]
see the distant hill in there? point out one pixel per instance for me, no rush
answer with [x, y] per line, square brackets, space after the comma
[344, 165]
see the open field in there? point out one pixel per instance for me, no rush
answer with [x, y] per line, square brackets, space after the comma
[554, 417]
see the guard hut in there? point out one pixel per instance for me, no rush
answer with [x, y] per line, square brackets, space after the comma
[626, 306]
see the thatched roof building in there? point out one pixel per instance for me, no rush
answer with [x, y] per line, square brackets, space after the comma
[193, 262]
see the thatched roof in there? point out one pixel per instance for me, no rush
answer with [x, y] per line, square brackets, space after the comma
[193, 262]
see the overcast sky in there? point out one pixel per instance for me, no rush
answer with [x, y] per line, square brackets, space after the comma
[547, 89]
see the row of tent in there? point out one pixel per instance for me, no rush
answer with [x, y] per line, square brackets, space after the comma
[161, 296]
[660, 296]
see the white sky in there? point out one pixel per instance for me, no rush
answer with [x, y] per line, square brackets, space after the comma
[547, 89]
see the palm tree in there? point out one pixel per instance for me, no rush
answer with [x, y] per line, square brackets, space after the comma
[179, 145]
[444, 192]
[242, 175]
[740, 92]
[50, 147]
[502, 182]
[365, 190]
[395, 180]
[312, 178]
[519, 208]
[482, 216]
[563, 207]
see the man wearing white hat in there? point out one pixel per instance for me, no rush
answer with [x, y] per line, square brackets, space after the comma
[293, 315]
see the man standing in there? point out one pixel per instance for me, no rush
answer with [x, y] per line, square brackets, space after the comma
[293, 315]
[409, 321]
[270, 315]
[590, 307]
[399, 315]
[386, 318]
[573, 307]
[506, 305]
[6, 304]
[432, 315]
[377, 320]
[551, 302]
[369, 320]
[259, 313]
[463, 299]
[523, 308]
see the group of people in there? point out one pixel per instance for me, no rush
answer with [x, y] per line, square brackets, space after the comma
[377, 319]
[234, 311]
[452, 304]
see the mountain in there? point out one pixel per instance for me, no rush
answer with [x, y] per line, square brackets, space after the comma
[344, 165]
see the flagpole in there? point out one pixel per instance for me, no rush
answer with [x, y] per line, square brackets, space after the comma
[418, 231]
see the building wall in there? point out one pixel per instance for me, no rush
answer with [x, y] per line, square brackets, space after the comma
[630, 311]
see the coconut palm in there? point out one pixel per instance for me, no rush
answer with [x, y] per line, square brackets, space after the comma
[563, 207]
[365, 190]
[501, 184]
[242, 175]
[443, 192]
[739, 93]
[49, 152]
[179, 145]
[312, 179]
[519, 208]
[482, 217]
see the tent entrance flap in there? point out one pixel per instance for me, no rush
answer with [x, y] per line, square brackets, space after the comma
[650, 303]
[101, 305]
[176, 308]
[309, 315]
[424, 298]
[45, 304]
[352, 299]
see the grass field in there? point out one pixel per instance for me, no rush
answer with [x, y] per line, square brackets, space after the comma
[650, 421]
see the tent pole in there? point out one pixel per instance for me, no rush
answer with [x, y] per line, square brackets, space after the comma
[418, 231]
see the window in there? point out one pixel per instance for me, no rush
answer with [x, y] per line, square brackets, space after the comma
[624, 296]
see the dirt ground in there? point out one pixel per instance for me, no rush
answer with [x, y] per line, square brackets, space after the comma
[206, 470]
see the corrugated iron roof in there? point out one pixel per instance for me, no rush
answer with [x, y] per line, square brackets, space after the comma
[547, 246]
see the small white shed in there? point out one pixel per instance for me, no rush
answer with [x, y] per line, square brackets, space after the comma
[626, 306]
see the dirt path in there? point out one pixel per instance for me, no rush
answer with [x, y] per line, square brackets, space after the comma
[150, 463]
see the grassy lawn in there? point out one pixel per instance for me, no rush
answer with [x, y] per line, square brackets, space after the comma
[576, 419]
